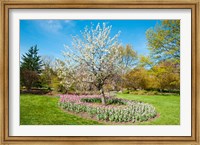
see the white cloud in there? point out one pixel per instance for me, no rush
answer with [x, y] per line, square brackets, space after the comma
[52, 26]
[55, 26]
[68, 21]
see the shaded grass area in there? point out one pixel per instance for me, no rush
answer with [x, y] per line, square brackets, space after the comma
[167, 106]
[44, 110]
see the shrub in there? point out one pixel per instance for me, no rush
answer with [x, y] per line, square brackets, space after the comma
[125, 91]
[144, 92]
[109, 101]
[115, 101]
[153, 93]
[91, 100]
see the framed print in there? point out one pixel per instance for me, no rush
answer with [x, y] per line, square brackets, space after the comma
[100, 72]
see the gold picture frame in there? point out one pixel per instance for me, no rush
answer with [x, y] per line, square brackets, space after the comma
[115, 4]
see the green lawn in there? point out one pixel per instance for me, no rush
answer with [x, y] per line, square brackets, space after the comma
[44, 110]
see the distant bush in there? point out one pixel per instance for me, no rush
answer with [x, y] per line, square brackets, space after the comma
[139, 92]
[35, 91]
[125, 91]
[60, 88]
[153, 93]
[145, 92]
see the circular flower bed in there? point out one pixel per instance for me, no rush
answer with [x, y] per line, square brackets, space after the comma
[116, 110]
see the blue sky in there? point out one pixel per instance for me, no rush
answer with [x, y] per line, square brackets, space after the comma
[51, 35]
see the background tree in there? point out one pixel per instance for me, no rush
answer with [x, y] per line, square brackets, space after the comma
[128, 61]
[166, 76]
[66, 75]
[48, 74]
[95, 54]
[138, 78]
[145, 61]
[129, 58]
[164, 41]
[30, 68]
[164, 44]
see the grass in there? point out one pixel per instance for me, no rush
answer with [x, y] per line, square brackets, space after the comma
[167, 106]
[44, 110]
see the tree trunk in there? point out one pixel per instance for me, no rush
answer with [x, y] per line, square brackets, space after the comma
[103, 97]
[28, 88]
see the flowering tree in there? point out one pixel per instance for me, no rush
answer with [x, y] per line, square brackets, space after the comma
[95, 54]
[66, 74]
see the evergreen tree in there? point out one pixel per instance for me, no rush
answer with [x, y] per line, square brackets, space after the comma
[30, 68]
